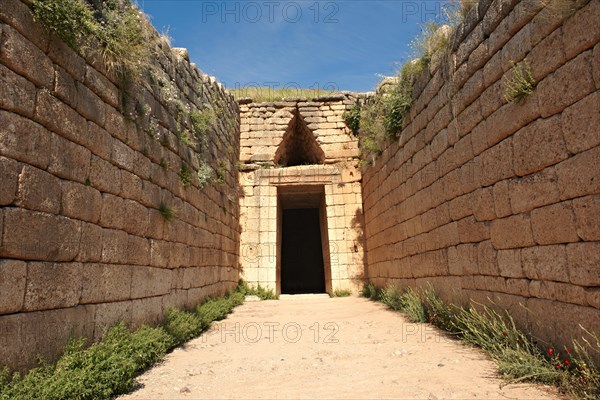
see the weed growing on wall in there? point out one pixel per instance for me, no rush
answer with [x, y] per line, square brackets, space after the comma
[72, 20]
[518, 356]
[520, 84]
[167, 212]
[352, 118]
[185, 175]
[117, 30]
[205, 174]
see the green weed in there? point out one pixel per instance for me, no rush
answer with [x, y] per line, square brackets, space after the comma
[167, 212]
[521, 84]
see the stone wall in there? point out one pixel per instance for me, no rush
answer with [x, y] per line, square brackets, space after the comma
[85, 168]
[277, 140]
[488, 199]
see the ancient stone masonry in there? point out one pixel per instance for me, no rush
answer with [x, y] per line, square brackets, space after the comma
[103, 217]
[488, 199]
[300, 154]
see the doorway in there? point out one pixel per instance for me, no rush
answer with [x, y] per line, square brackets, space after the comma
[302, 267]
[303, 245]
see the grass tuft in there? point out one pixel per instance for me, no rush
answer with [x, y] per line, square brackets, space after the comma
[342, 293]
[352, 118]
[521, 84]
[270, 94]
[167, 212]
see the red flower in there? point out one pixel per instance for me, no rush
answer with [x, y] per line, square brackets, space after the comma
[557, 367]
[569, 351]
[567, 362]
[550, 351]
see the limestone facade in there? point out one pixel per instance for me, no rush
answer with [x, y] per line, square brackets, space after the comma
[300, 153]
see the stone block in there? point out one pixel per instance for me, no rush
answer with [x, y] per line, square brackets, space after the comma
[469, 230]
[519, 287]
[60, 118]
[18, 15]
[558, 291]
[148, 281]
[461, 207]
[67, 58]
[547, 56]
[13, 275]
[582, 29]
[554, 224]
[114, 246]
[509, 263]
[28, 336]
[579, 175]
[113, 212]
[19, 54]
[484, 204]
[138, 250]
[497, 163]
[512, 232]
[9, 176]
[102, 86]
[90, 105]
[64, 86]
[502, 199]
[104, 176]
[487, 259]
[545, 263]
[539, 145]
[596, 65]
[511, 117]
[533, 191]
[103, 283]
[24, 140]
[90, 249]
[39, 236]
[146, 311]
[52, 285]
[584, 263]
[38, 190]
[580, 124]
[587, 214]
[159, 253]
[81, 202]
[109, 314]
[17, 94]
[69, 160]
[135, 218]
[570, 83]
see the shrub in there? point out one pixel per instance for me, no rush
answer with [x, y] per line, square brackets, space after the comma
[259, 291]
[72, 20]
[521, 84]
[371, 291]
[182, 326]
[205, 174]
[101, 371]
[342, 293]
[352, 118]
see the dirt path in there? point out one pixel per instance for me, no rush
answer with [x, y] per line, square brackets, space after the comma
[314, 347]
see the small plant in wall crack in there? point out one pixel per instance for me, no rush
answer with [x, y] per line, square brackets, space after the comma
[352, 118]
[205, 174]
[167, 212]
[185, 175]
[521, 84]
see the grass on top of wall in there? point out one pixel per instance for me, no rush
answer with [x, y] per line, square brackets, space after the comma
[517, 354]
[270, 94]
[108, 368]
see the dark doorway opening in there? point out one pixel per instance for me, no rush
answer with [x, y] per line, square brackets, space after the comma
[302, 268]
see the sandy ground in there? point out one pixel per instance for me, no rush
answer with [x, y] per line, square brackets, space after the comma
[315, 347]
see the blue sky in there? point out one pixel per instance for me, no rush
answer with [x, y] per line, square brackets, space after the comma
[343, 45]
